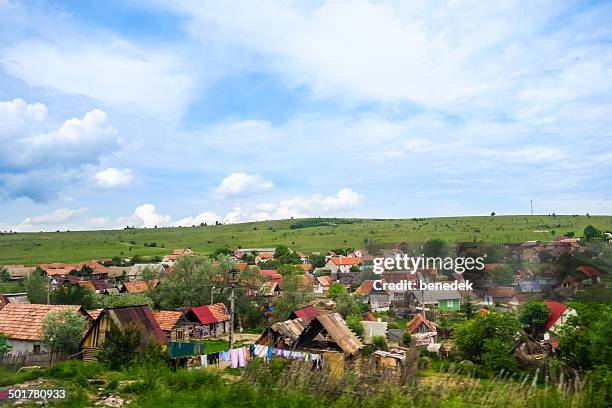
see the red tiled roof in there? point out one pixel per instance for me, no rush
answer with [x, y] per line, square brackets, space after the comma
[167, 319]
[24, 321]
[345, 260]
[556, 309]
[366, 287]
[211, 314]
[589, 271]
[139, 287]
[94, 313]
[416, 321]
[325, 280]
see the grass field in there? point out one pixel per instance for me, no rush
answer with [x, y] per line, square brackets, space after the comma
[33, 248]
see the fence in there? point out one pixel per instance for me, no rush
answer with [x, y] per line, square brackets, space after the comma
[45, 359]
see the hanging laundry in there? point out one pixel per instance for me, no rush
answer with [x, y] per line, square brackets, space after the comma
[242, 357]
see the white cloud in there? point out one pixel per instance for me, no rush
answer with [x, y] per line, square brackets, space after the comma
[36, 162]
[243, 183]
[112, 70]
[207, 217]
[113, 177]
[146, 216]
[17, 117]
[56, 217]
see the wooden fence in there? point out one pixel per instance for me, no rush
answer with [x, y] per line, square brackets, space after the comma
[44, 359]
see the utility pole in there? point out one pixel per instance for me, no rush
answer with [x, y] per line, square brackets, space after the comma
[234, 280]
[531, 203]
[212, 293]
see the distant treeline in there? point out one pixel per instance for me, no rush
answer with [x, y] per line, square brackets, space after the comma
[320, 222]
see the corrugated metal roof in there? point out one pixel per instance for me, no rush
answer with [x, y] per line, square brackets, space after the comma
[139, 316]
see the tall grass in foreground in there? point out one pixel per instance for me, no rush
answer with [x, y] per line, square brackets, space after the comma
[294, 384]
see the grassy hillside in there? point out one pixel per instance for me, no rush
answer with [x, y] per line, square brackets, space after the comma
[32, 248]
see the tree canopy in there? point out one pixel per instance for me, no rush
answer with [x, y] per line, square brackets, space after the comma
[63, 330]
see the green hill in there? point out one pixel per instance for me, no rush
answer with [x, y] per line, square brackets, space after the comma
[308, 235]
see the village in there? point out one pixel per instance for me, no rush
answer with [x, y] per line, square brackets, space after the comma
[326, 309]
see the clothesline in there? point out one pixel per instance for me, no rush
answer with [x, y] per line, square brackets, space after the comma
[238, 357]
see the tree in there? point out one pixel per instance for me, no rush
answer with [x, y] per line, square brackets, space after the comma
[317, 260]
[36, 286]
[63, 330]
[435, 248]
[347, 304]
[290, 270]
[5, 347]
[468, 308]
[192, 279]
[503, 275]
[74, 295]
[149, 275]
[295, 295]
[470, 335]
[5, 276]
[120, 346]
[124, 299]
[335, 290]
[591, 233]
[584, 340]
[286, 255]
[534, 315]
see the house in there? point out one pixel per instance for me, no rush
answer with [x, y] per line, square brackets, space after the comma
[376, 299]
[322, 284]
[498, 294]
[423, 331]
[212, 320]
[172, 324]
[568, 286]
[373, 329]
[17, 272]
[15, 298]
[140, 317]
[93, 286]
[22, 323]
[307, 313]
[530, 286]
[239, 253]
[271, 275]
[342, 264]
[139, 287]
[171, 259]
[270, 289]
[517, 301]
[334, 333]
[97, 271]
[444, 300]
[263, 257]
[283, 335]
[134, 272]
[589, 275]
[558, 316]
[530, 251]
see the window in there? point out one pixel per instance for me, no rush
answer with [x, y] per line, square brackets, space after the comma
[449, 303]
[36, 348]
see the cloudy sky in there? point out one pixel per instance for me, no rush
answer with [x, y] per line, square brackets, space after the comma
[174, 112]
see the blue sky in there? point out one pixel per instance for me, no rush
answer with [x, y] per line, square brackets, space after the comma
[175, 112]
